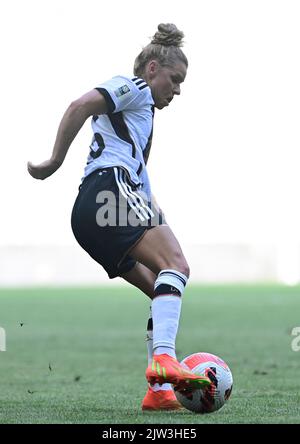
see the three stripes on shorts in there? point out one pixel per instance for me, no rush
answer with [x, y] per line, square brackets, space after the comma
[134, 199]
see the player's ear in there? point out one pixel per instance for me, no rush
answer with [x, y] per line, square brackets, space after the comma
[152, 68]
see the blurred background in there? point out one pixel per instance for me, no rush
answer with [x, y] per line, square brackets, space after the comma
[231, 140]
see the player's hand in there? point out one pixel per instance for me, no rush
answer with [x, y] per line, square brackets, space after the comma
[43, 170]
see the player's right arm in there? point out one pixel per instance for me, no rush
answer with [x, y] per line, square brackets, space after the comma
[91, 103]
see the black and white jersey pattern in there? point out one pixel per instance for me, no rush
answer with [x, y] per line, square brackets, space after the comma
[123, 136]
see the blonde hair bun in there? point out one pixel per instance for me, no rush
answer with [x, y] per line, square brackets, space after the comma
[168, 35]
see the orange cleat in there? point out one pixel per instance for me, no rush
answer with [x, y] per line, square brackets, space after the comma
[160, 400]
[164, 368]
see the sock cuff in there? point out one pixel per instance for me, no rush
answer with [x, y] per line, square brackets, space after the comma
[172, 278]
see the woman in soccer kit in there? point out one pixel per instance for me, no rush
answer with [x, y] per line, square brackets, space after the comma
[115, 217]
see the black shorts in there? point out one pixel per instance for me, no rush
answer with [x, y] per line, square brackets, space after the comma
[110, 216]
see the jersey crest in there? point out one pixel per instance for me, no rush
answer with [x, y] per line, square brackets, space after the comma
[122, 90]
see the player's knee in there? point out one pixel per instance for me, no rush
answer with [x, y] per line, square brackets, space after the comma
[181, 265]
[185, 269]
[178, 263]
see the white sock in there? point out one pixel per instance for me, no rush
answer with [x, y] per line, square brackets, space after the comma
[166, 313]
[166, 309]
[149, 339]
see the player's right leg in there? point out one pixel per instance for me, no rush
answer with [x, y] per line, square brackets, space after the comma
[160, 251]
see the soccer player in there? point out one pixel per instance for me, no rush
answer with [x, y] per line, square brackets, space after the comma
[115, 217]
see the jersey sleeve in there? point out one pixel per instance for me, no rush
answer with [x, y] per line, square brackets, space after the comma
[121, 93]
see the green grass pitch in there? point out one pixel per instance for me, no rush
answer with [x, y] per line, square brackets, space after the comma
[78, 355]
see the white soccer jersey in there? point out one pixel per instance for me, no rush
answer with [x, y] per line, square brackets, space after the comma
[123, 136]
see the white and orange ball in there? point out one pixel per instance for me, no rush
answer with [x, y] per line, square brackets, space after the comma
[214, 397]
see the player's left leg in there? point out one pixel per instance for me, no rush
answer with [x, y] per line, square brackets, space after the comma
[141, 277]
[158, 397]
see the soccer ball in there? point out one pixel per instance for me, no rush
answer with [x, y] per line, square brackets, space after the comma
[209, 399]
